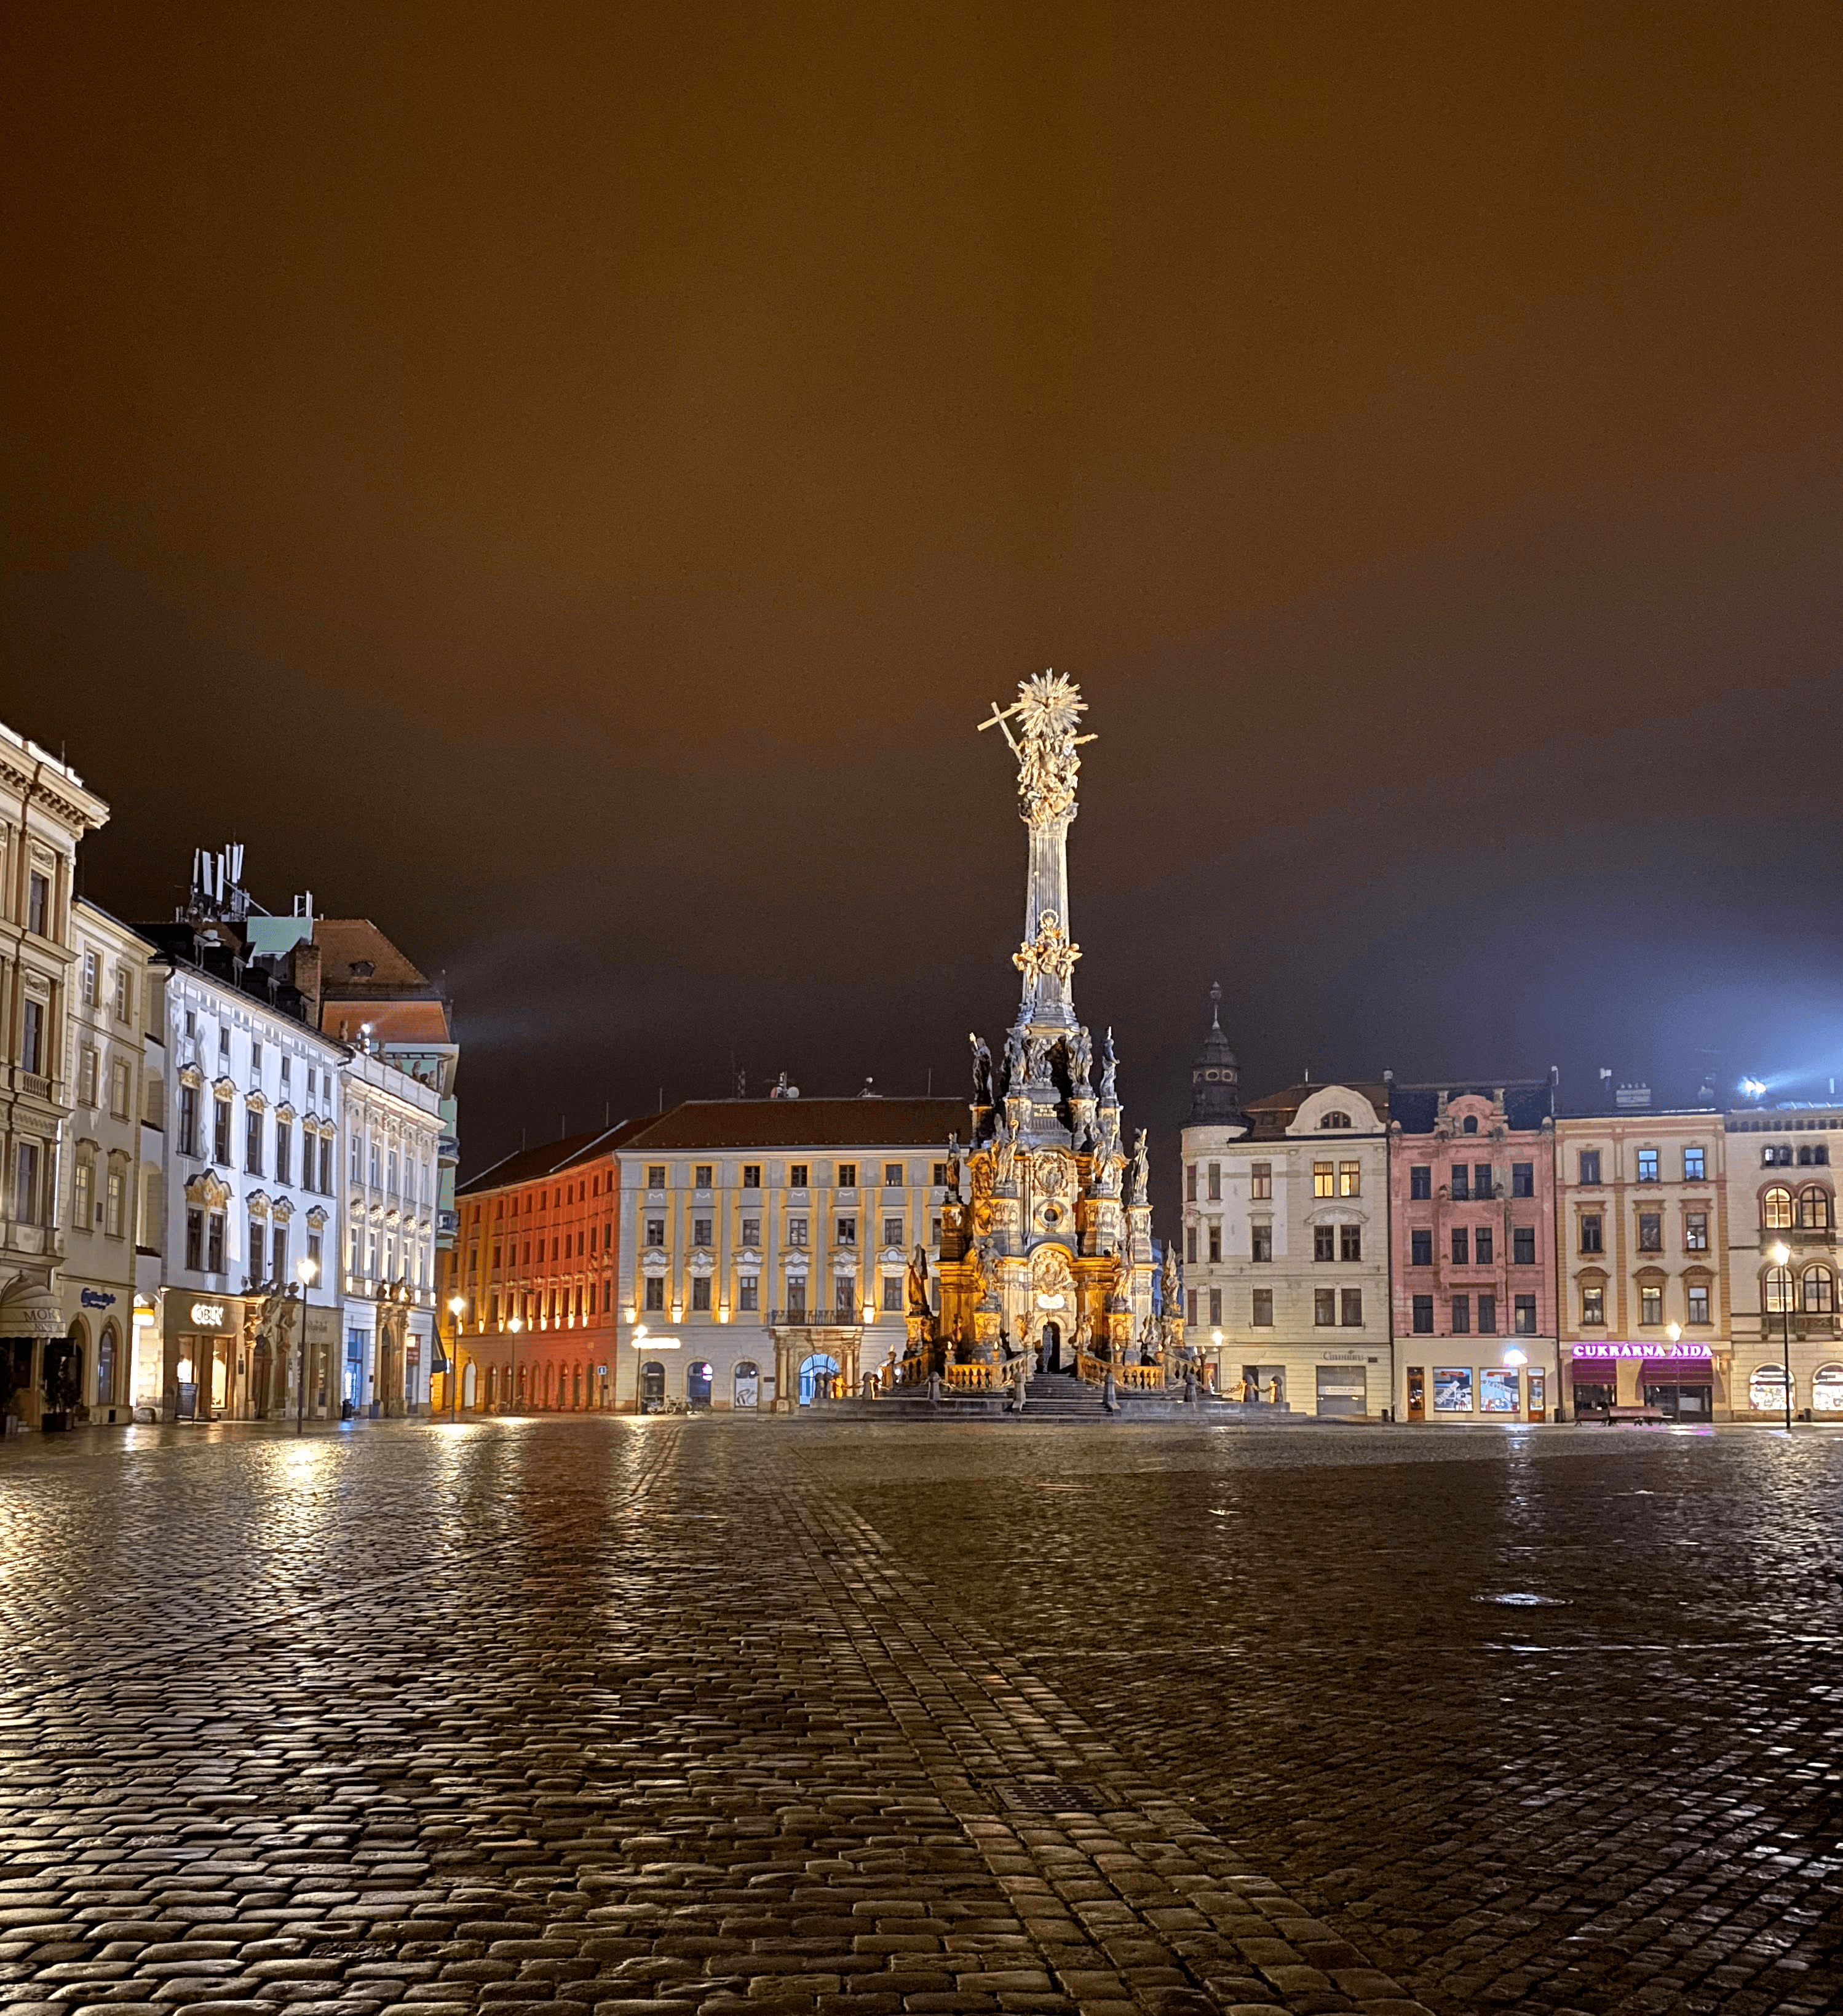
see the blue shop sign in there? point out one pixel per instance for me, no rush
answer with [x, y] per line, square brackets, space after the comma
[97, 1298]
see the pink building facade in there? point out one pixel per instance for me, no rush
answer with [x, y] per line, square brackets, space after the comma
[1473, 1266]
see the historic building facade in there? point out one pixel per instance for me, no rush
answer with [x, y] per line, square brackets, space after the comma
[763, 1246]
[1472, 1237]
[92, 1369]
[1782, 1268]
[1642, 1202]
[1286, 1213]
[45, 811]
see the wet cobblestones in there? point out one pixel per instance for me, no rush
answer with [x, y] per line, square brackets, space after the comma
[648, 1719]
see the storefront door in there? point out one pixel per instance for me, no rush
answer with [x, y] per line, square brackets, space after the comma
[1340, 1390]
[1538, 1393]
[1417, 1392]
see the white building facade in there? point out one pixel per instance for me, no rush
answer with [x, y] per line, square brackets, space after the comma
[763, 1244]
[393, 1129]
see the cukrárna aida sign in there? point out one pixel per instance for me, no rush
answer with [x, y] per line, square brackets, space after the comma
[1652, 1351]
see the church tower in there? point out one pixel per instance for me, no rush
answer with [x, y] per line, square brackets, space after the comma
[1050, 1255]
[1215, 1078]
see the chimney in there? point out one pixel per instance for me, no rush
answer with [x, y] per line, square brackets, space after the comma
[305, 971]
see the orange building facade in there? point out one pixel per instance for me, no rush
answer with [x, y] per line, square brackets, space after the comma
[533, 1275]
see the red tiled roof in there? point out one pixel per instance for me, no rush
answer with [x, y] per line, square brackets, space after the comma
[345, 941]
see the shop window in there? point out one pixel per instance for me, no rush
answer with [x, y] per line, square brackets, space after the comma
[1488, 1315]
[1423, 1315]
[1522, 1245]
[1766, 1388]
[1592, 1308]
[1817, 1292]
[1499, 1390]
[1421, 1180]
[1827, 1390]
[1814, 1209]
[1260, 1313]
[1461, 1325]
[1698, 1293]
[1590, 1167]
[1350, 1242]
[1650, 1304]
[1526, 1315]
[1324, 1307]
[1324, 1242]
[1420, 1247]
[1452, 1389]
[1523, 1180]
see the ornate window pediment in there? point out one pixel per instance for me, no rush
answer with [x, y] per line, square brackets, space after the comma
[285, 1112]
[748, 1256]
[892, 1256]
[702, 1263]
[317, 1216]
[256, 1101]
[208, 1188]
[190, 1075]
[653, 1261]
[224, 1088]
[257, 1204]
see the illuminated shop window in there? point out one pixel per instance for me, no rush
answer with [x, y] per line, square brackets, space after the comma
[1765, 1390]
[1827, 1390]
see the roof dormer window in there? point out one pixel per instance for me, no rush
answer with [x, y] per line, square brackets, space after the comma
[1334, 1118]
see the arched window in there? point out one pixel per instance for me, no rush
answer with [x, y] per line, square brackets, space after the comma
[1827, 1390]
[1817, 1293]
[1814, 1209]
[1472, 1126]
[1335, 1119]
[1778, 1288]
[106, 1367]
[1776, 1209]
[1765, 1390]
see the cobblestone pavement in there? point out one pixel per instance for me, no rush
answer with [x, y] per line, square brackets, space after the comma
[655, 1718]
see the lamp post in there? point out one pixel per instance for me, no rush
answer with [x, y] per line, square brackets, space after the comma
[306, 1271]
[1780, 1254]
[515, 1326]
[457, 1306]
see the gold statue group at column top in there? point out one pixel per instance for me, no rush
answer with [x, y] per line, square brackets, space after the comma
[1046, 1257]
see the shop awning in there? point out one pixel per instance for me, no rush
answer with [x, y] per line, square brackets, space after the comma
[1675, 1372]
[29, 1311]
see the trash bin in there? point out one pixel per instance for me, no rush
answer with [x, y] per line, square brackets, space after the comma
[346, 1410]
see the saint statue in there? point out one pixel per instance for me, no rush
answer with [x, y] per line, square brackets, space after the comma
[1142, 1169]
[1109, 1063]
[982, 1085]
[1080, 1049]
[919, 1302]
[953, 1167]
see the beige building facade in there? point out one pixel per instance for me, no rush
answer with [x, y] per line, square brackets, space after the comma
[1782, 1200]
[1642, 1213]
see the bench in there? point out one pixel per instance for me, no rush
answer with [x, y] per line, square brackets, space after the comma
[1613, 1414]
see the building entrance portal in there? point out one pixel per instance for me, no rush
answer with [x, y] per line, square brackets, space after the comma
[1051, 1358]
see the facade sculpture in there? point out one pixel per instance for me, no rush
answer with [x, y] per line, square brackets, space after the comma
[1047, 1263]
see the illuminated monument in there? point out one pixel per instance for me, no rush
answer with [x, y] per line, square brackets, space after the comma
[1046, 1260]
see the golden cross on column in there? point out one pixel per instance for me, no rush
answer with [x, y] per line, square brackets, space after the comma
[1000, 718]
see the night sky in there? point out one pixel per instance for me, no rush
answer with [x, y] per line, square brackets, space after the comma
[566, 483]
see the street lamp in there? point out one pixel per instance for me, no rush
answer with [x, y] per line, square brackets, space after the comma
[308, 1270]
[1780, 1254]
[457, 1306]
[516, 1324]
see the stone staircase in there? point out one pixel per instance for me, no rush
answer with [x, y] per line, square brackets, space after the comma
[1052, 1396]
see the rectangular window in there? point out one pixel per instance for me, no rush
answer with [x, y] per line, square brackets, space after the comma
[1215, 1238]
[1423, 1315]
[1260, 1179]
[195, 1241]
[748, 1292]
[1324, 1179]
[1190, 1309]
[1522, 1179]
[325, 1182]
[256, 1060]
[1647, 1165]
[1591, 1232]
[125, 995]
[701, 1293]
[221, 1134]
[1483, 1247]
[1590, 1167]
[1650, 1305]
[1522, 1245]
[796, 1231]
[38, 904]
[1261, 1309]
[1260, 1240]
[1420, 1247]
[1483, 1188]
[90, 969]
[278, 1242]
[32, 1049]
[797, 1294]
[848, 1176]
[81, 1199]
[939, 1178]
[1593, 1307]
[656, 1176]
[1650, 1232]
[1696, 1232]
[892, 1293]
[845, 1294]
[1350, 1308]
[189, 1120]
[892, 1176]
[1189, 1182]
[1324, 1242]
[115, 1197]
[848, 1232]
[1350, 1242]
[1421, 1179]
[1693, 1165]
[224, 1039]
[1526, 1320]
[752, 1232]
[1215, 1308]
[1488, 1315]
[1350, 1179]
[797, 1175]
[1462, 1246]
[656, 1232]
[700, 1232]
[701, 1176]
[1324, 1307]
[751, 1176]
[1698, 1302]
[313, 1254]
[655, 1291]
[1191, 1245]
[215, 1243]
[1461, 1182]
[284, 1152]
[1462, 1316]
[252, 1142]
[1216, 1182]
